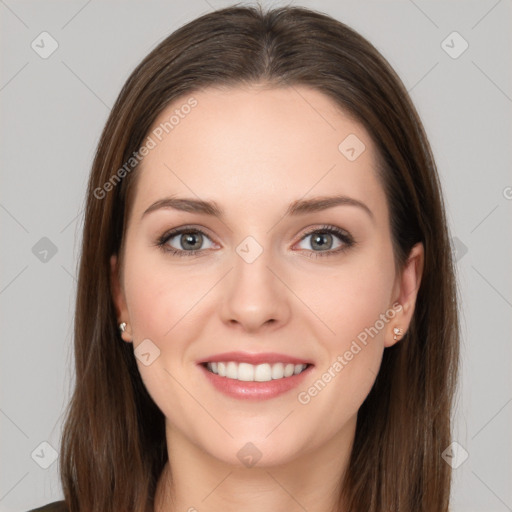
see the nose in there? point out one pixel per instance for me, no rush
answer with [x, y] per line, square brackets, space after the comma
[254, 296]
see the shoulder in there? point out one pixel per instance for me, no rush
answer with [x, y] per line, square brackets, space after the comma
[56, 506]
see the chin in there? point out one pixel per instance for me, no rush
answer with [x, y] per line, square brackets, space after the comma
[257, 450]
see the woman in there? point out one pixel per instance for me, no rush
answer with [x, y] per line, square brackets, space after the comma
[266, 309]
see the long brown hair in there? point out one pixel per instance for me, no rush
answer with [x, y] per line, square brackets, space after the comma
[113, 444]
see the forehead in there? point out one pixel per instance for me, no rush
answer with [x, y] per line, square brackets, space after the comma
[257, 146]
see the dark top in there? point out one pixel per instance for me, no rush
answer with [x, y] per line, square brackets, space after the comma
[56, 506]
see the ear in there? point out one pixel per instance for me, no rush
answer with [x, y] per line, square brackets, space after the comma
[119, 298]
[406, 291]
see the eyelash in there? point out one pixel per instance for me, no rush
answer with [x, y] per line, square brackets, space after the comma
[347, 240]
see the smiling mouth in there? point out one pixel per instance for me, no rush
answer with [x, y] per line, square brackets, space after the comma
[246, 372]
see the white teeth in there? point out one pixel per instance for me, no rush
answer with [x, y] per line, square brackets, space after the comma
[278, 371]
[245, 372]
[232, 370]
[255, 373]
[263, 373]
[297, 369]
[288, 370]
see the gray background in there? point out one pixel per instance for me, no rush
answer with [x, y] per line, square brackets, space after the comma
[52, 114]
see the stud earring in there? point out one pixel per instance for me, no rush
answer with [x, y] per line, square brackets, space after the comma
[397, 332]
[122, 327]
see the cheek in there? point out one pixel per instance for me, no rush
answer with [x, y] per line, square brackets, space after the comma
[350, 298]
[353, 304]
[161, 308]
[364, 301]
[159, 298]
[167, 306]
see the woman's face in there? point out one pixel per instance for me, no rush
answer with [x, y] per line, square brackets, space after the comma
[277, 193]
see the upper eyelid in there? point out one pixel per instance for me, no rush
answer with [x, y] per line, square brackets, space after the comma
[344, 235]
[185, 229]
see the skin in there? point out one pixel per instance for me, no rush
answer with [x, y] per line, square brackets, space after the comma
[255, 150]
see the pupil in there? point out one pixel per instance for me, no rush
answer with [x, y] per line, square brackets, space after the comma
[188, 240]
[320, 241]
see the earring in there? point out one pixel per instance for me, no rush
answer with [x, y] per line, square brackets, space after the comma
[398, 332]
[122, 327]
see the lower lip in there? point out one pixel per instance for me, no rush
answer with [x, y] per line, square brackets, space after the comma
[254, 390]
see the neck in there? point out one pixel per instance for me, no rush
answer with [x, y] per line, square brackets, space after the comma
[193, 480]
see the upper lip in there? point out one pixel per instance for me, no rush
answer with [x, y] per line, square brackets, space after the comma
[246, 357]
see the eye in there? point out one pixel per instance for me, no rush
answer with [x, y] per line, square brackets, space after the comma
[185, 241]
[323, 241]
[326, 240]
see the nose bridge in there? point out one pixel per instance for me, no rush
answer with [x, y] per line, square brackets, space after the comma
[251, 265]
[254, 296]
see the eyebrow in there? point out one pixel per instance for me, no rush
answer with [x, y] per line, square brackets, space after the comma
[299, 207]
